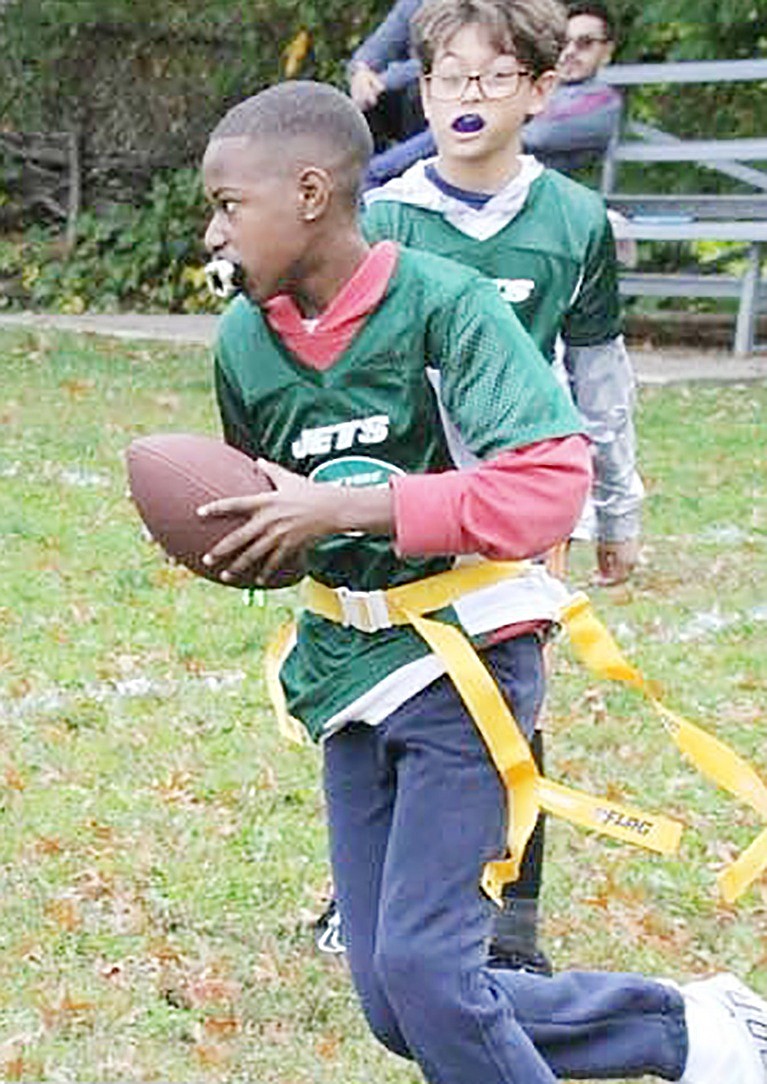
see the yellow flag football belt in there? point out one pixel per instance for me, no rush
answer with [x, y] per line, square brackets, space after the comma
[528, 791]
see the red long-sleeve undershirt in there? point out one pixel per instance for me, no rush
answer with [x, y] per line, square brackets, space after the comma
[516, 505]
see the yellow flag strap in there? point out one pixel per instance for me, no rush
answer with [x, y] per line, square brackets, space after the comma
[594, 645]
[277, 650]
[370, 611]
[527, 790]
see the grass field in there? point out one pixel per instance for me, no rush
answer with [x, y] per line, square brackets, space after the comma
[163, 854]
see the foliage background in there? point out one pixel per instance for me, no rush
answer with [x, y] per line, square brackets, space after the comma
[143, 84]
[138, 75]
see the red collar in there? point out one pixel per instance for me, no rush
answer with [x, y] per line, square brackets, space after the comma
[339, 323]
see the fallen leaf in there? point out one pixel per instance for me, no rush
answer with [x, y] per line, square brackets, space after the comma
[31, 951]
[64, 912]
[601, 901]
[222, 1027]
[48, 845]
[64, 1010]
[77, 389]
[165, 953]
[19, 688]
[327, 1047]
[14, 779]
[212, 989]
[92, 884]
[15, 1068]
[70, 1004]
[212, 1054]
[176, 788]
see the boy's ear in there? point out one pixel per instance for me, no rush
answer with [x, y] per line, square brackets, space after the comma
[315, 187]
[540, 91]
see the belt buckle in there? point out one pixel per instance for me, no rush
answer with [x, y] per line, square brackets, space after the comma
[366, 611]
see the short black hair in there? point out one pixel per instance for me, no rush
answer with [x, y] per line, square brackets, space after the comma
[305, 118]
[598, 10]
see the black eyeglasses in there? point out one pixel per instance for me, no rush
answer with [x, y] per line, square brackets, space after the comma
[451, 87]
[584, 42]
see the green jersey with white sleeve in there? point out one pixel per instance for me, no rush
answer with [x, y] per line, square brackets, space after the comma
[547, 243]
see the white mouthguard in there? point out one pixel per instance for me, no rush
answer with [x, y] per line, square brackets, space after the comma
[220, 276]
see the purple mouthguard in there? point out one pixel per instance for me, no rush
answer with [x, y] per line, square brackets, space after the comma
[469, 122]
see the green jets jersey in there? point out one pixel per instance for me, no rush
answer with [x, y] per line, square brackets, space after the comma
[375, 414]
[545, 240]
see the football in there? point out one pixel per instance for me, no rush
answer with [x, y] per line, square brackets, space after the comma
[171, 475]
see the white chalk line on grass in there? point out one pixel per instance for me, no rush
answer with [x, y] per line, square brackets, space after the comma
[76, 476]
[710, 622]
[58, 699]
[703, 624]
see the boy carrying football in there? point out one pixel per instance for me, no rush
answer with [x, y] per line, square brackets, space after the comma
[406, 380]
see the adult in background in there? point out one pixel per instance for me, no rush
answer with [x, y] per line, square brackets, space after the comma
[583, 112]
[383, 79]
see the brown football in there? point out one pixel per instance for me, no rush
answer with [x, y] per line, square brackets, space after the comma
[171, 475]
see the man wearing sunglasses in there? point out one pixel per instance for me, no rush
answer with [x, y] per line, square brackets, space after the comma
[582, 112]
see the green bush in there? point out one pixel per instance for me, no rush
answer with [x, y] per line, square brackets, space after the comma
[143, 85]
[135, 75]
[126, 257]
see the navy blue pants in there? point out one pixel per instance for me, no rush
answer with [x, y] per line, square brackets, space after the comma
[415, 809]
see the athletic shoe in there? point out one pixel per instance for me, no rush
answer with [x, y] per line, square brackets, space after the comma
[328, 932]
[727, 1028]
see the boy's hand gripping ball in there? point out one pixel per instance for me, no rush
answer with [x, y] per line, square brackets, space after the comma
[171, 475]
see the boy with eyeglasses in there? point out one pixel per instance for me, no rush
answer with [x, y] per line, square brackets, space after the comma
[574, 128]
[546, 242]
